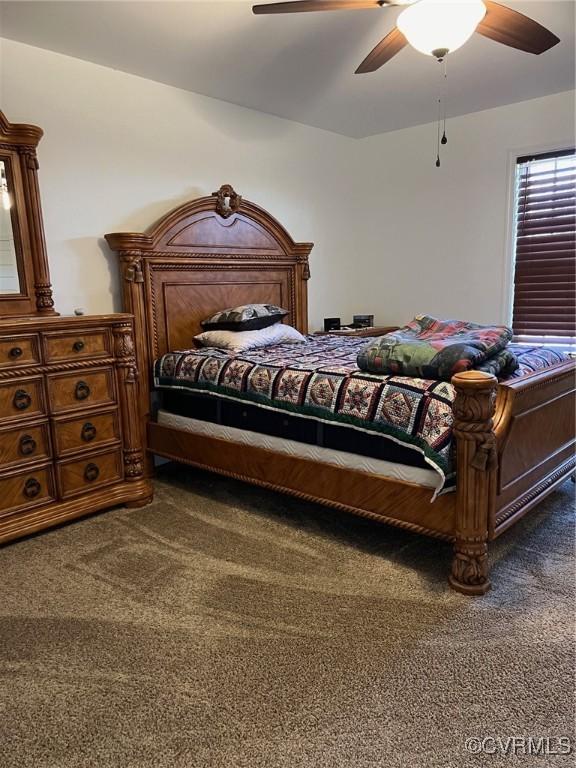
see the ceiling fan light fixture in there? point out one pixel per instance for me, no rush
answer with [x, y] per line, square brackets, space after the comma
[432, 26]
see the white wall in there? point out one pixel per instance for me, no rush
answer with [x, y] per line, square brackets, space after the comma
[439, 240]
[393, 234]
[120, 151]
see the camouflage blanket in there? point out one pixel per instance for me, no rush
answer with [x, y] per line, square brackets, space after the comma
[320, 380]
[437, 349]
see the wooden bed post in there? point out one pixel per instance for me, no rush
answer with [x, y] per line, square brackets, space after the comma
[130, 249]
[476, 462]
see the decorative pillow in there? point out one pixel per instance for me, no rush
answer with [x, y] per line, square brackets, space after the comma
[248, 317]
[240, 341]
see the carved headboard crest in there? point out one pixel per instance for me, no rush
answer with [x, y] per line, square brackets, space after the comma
[227, 200]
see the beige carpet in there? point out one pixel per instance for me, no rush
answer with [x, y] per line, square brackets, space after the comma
[226, 626]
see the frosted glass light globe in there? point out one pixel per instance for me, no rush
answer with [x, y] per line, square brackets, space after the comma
[440, 25]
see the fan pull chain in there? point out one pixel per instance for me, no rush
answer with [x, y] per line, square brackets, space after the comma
[438, 134]
[444, 138]
[442, 113]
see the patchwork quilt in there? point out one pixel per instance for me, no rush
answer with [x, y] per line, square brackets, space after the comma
[320, 379]
[437, 349]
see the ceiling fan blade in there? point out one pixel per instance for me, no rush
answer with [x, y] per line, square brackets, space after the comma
[383, 52]
[302, 6]
[511, 28]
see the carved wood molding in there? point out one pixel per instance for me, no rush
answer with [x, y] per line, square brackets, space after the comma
[228, 201]
[473, 410]
[553, 479]
[34, 370]
[19, 134]
[123, 342]
[522, 388]
[44, 297]
[127, 379]
[133, 464]
[125, 352]
[228, 256]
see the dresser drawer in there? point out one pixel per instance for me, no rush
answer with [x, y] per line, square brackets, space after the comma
[83, 475]
[82, 389]
[90, 431]
[26, 489]
[21, 398]
[18, 351]
[19, 445]
[77, 346]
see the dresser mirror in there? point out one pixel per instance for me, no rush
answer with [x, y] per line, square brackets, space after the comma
[25, 288]
[10, 279]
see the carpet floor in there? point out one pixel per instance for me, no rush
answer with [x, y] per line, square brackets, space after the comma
[225, 626]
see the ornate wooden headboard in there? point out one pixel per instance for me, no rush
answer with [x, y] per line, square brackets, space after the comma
[215, 252]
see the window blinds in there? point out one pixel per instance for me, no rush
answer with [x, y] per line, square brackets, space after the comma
[545, 274]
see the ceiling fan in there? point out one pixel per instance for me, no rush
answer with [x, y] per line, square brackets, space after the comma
[435, 27]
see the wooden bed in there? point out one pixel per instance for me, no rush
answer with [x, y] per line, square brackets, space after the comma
[515, 441]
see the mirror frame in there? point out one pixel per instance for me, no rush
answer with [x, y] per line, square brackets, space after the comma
[18, 143]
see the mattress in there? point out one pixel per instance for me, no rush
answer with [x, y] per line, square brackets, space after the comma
[224, 411]
[391, 470]
[315, 394]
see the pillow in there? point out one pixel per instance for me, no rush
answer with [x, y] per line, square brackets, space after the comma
[240, 341]
[248, 317]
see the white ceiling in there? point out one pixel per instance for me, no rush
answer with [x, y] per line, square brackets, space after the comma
[298, 66]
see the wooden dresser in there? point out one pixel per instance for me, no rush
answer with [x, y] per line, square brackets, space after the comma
[70, 430]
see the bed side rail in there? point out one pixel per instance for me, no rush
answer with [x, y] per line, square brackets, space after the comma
[535, 429]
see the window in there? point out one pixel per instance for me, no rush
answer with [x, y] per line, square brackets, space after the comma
[545, 275]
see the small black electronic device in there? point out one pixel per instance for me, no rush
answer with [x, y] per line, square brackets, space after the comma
[363, 321]
[332, 324]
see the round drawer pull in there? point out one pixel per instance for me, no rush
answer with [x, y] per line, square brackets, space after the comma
[88, 432]
[82, 391]
[32, 488]
[27, 445]
[15, 352]
[22, 400]
[91, 473]
[78, 346]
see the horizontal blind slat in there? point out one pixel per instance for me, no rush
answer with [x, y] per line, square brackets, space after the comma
[558, 326]
[543, 227]
[556, 316]
[535, 170]
[528, 330]
[537, 340]
[548, 261]
[535, 207]
[529, 187]
[547, 251]
[548, 213]
[548, 238]
[542, 276]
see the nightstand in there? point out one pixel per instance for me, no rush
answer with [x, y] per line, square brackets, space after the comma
[376, 330]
